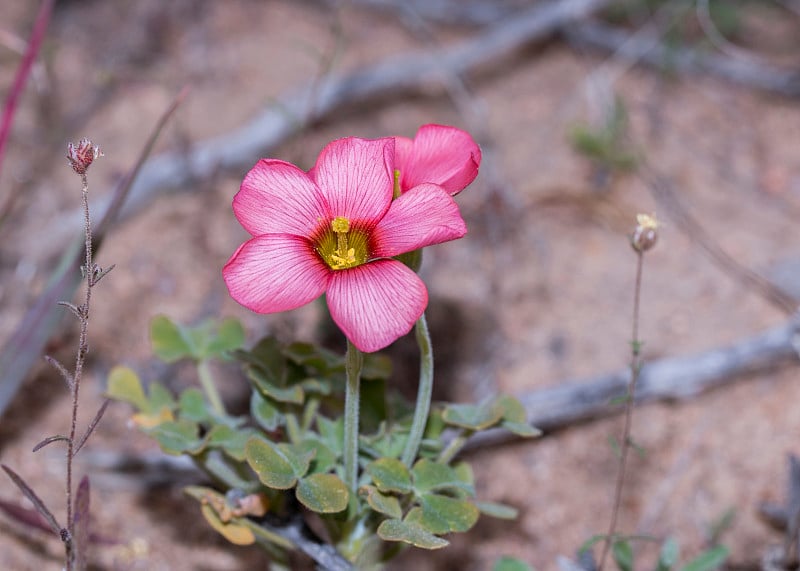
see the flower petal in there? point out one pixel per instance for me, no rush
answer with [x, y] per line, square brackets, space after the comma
[443, 155]
[423, 216]
[276, 197]
[275, 272]
[357, 176]
[376, 303]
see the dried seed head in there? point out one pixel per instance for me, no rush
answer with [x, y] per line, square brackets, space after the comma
[82, 155]
[645, 235]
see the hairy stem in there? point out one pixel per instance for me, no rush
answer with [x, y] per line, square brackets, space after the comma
[353, 363]
[625, 444]
[78, 374]
[423, 393]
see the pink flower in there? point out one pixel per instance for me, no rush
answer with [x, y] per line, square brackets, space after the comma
[443, 155]
[336, 234]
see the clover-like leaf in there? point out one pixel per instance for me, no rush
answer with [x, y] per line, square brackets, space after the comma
[323, 493]
[623, 554]
[376, 366]
[270, 463]
[268, 358]
[515, 418]
[708, 560]
[317, 358]
[262, 381]
[499, 511]
[324, 457]
[390, 475]
[382, 503]
[170, 341]
[264, 412]
[231, 440]
[192, 405]
[435, 476]
[229, 336]
[443, 514]
[178, 437]
[411, 533]
[473, 416]
[669, 555]
[124, 385]
[332, 433]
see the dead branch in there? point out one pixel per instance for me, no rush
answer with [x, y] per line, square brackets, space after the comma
[669, 379]
[743, 72]
[401, 75]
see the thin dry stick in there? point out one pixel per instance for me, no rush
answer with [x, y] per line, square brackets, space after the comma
[636, 366]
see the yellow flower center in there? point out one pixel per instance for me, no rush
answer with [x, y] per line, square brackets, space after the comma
[343, 247]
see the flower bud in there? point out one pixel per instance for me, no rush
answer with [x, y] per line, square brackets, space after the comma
[82, 155]
[645, 235]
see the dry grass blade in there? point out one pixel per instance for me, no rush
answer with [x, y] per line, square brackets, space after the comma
[49, 440]
[26, 344]
[35, 500]
[35, 42]
[92, 425]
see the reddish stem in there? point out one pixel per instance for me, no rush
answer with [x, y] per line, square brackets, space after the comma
[23, 71]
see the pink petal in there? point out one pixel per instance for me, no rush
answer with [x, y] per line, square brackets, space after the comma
[275, 272]
[278, 198]
[442, 155]
[356, 176]
[423, 216]
[376, 303]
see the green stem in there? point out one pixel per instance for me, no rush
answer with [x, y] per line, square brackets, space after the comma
[210, 388]
[455, 446]
[353, 362]
[423, 394]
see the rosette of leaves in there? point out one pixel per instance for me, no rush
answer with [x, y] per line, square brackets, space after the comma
[286, 451]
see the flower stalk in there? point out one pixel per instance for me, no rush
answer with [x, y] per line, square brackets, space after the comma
[423, 393]
[353, 363]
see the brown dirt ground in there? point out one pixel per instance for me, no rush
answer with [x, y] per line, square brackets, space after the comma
[543, 283]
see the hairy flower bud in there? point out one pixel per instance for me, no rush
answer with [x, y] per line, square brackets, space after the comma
[645, 235]
[82, 155]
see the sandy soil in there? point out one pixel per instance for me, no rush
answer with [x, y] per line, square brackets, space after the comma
[541, 287]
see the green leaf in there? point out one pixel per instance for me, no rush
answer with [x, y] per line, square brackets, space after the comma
[274, 469]
[382, 503]
[499, 511]
[268, 358]
[390, 475]
[159, 397]
[264, 412]
[332, 433]
[229, 336]
[324, 457]
[708, 560]
[124, 385]
[192, 405]
[170, 341]
[434, 476]
[261, 379]
[506, 563]
[323, 493]
[411, 533]
[442, 514]
[623, 554]
[178, 437]
[317, 358]
[473, 417]
[232, 441]
[670, 553]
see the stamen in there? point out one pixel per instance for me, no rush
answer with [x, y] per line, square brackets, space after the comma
[343, 257]
[396, 191]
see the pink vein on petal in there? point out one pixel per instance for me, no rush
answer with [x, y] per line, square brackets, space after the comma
[376, 303]
[357, 177]
[423, 216]
[442, 155]
[275, 272]
[276, 197]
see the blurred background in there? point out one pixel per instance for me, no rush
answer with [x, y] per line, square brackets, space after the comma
[588, 112]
